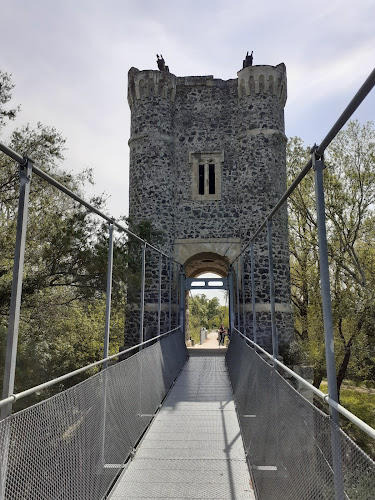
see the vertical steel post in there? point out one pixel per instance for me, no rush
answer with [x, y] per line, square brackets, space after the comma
[275, 350]
[238, 294]
[243, 293]
[170, 298]
[231, 299]
[253, 292]
[142, 312]
[177, 308]
[159, 294]
[109, 295]
[182, 300]
[318, 167]
[15, 301]
[275, 343]
[15, 309]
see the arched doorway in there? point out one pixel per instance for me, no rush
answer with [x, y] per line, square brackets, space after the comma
[208, 266]
[207, 309]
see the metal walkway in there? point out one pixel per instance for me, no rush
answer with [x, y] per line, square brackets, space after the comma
[194, 447]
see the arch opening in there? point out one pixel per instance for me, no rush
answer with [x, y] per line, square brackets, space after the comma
[206, 262]
[206, 308]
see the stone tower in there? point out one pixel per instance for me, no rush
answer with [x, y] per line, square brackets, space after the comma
[207, 163]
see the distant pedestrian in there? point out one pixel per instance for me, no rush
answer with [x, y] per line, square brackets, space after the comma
[221, 334]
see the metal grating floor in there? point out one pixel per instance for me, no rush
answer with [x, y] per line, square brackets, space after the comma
[193, 449]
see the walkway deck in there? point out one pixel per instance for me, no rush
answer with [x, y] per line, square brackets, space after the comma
[193, 448]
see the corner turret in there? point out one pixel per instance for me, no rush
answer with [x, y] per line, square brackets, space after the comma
[269, 80]
[150, 83]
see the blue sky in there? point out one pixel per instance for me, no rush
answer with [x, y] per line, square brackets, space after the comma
[70, 58]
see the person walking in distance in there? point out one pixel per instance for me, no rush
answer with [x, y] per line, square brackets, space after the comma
[221, 334]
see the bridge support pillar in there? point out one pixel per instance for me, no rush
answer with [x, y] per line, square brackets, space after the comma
[318, 166]
[275, 340]
[253, 293]
[109, 295]
[243, 294]
[238, 294]
[182, 301]
[15, 301]
[231, 299]
[142, 311]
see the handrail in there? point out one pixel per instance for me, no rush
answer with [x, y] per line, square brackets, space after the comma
[343, 118]
[43, 175]
[15, 397]
[325, 397]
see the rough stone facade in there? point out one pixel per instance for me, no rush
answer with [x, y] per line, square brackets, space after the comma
[207, 163]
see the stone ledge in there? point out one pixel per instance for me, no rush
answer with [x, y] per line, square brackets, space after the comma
[266, 307]
[150, 136]
[193, 241]
[152, 307]
[262, 131]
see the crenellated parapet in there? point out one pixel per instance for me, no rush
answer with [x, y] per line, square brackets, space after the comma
[270, 80]
[149, 83]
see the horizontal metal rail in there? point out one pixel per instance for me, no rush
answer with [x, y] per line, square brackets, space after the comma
[43, 175]
[15, 397]
[325, 397]
[15, 156]
[344, 117]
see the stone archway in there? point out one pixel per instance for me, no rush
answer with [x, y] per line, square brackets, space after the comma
[198, 264]
[206, 262]
[211, 255]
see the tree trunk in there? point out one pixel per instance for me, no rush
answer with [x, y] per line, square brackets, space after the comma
[344, 365]
[318, 377]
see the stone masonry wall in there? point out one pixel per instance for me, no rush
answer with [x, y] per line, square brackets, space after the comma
[240, 123]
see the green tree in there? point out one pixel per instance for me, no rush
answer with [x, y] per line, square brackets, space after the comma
[349, 193]
[6, 86]
[65, 263]
[213, 308]
[222, 316]
[205, 313]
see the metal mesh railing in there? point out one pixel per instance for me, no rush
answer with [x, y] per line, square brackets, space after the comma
[72, 446]
[287, 439]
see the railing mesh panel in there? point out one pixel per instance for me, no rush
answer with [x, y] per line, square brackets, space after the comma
[287, 439]
[72, 445]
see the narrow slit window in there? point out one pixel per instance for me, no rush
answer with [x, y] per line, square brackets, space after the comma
[211, 179]
[206, 173]
[201, 179]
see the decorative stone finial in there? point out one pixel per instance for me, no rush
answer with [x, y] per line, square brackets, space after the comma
[248, 61]
[161, 63]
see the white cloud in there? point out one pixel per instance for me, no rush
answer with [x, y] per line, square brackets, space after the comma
[70, 61]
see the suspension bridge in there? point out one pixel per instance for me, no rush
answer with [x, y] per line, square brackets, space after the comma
[163, 421]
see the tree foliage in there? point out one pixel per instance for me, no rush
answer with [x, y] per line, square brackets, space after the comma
[349, 194]
[6, 86]
[65, 271]
[205, 313]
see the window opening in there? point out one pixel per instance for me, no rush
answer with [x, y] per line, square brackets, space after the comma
[206, 175]
[211, 179]
[201, 179]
